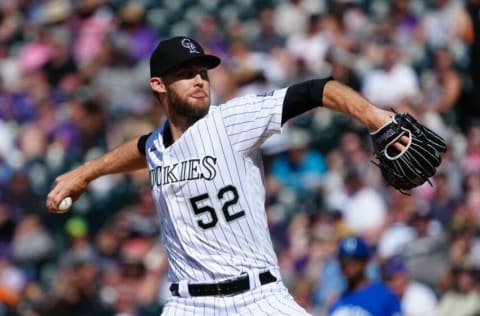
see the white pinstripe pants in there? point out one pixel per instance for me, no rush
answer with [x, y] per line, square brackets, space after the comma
[270, 299]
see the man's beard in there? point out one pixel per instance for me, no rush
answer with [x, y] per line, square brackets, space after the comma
[185, 108]
[355, 280]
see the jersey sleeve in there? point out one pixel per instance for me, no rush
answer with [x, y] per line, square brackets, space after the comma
[250, 120]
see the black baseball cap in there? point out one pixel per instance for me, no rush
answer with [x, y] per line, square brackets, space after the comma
[176, 51]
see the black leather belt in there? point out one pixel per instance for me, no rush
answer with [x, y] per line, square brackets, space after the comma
[223, 288]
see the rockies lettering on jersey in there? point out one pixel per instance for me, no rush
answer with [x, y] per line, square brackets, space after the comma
[192, 169]
[209, 193]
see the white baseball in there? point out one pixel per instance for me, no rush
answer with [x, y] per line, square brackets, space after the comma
[65, 204]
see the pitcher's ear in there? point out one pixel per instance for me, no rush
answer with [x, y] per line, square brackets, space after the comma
[157, 85]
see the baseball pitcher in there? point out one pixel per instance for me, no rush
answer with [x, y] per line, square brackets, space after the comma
[207, 179]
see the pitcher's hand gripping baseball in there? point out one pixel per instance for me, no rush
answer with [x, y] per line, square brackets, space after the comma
[417, 161]
[68, 188]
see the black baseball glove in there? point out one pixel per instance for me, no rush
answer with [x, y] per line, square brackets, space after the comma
[411, 167]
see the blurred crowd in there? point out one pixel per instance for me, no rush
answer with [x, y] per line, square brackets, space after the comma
[74, 84]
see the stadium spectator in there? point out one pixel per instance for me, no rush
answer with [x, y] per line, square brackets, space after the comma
[416, 298]
[443, 202]
[470, 161]
[361, 296]
[406, 25]
[441, 90]
[32, 244]
[295, 11]
[267, 38]
[92, 22]
[442, 87]
[368, 222]
[309, 49]
[341, 64]
[301, 169]
[208, 31]
[447, 25]
[329, 278]
[74, 289]
[133, 33]
[377, 82]
[461, 298]
[397, 231]
[427, 255]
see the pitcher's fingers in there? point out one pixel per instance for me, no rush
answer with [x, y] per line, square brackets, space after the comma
[54, 198]
[404, 140]
[399, 146]
[401, 143]
[50, 198]
[52, 202]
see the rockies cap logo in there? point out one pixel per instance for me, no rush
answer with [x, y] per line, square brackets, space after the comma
[191, 47]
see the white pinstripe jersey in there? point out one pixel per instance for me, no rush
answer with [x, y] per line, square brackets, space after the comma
[208, 188]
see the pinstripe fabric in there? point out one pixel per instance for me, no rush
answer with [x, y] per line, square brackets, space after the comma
[209, 194]
[269, 300]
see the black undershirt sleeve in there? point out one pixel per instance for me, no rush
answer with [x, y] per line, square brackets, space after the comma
[302, 97]
[142, 141]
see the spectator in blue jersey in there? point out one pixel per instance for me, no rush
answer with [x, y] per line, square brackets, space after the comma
[361, 296]
[300, 169]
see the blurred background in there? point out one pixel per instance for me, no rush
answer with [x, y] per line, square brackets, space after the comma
[74, 83]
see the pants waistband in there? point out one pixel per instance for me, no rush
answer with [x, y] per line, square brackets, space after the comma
[223, 288]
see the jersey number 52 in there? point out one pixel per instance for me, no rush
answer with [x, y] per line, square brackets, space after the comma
[223, 192]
